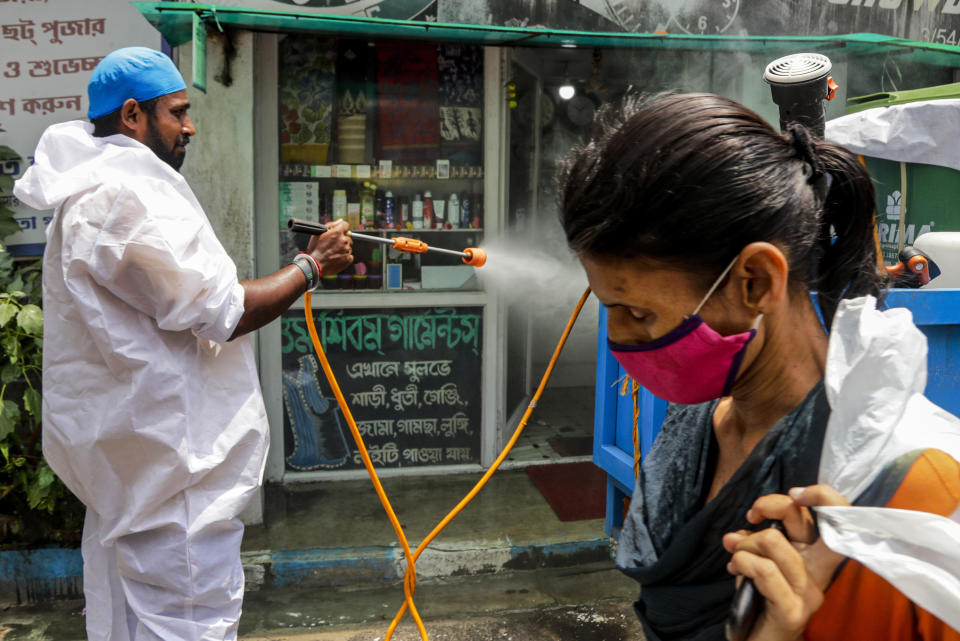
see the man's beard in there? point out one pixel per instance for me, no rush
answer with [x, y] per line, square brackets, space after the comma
[157, 146]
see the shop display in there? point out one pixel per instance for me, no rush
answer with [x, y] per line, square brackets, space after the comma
[298, 200]
[409, 114]
[353, 99]
[403, 157]
[461, 100]
[306, 83]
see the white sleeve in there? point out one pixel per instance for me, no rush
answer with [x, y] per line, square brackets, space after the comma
[156, 252]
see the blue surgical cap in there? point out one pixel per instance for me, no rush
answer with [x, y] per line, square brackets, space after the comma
[140, 73]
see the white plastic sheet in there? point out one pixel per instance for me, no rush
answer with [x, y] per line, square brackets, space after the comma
[920, 132]
[875, 376]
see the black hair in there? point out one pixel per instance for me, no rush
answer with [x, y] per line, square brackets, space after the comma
[109, 124]
[691, 179]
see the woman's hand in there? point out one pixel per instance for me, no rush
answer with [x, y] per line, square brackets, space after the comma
[791, 571]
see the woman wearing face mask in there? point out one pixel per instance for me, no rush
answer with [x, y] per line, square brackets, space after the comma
[703, 230]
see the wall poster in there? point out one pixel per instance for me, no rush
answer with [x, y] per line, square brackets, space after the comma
[48, 49]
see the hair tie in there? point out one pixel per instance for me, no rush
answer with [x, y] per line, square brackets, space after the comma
[806, 149]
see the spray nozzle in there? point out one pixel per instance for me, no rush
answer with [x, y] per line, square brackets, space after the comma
[474, 256]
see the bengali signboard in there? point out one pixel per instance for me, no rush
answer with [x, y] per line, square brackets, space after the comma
[48, 48]
[412, 378]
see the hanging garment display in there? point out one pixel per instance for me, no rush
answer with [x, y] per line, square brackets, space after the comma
[353, 100]
[408, 123]
[460, 92]
[306, 84]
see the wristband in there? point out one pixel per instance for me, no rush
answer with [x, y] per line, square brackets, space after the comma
[307, 269]
[316, 266]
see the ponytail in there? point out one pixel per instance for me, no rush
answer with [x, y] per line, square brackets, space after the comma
[692, 179]
[848, 266]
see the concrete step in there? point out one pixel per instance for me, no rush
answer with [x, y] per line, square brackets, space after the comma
[336, 532]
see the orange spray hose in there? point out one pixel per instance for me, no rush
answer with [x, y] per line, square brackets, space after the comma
[348, 415]
[410, 577]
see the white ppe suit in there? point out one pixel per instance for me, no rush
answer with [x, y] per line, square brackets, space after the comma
[150, 416]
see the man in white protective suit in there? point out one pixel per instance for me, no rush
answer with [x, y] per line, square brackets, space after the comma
[152, 411]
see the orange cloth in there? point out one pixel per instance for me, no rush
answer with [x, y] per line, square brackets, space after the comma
[859, 604]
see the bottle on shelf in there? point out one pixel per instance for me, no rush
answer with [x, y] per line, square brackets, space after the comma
[404, 222]
[439, 213]
[323, 214]
[416, 212]
[379, 206]
[389, 220]
[366, 206]
[429, 221]
[353, 215]
[339, 204]
[453, 211]
[466, 209]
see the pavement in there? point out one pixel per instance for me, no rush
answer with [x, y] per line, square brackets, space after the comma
[326, 564]
[336, 532]
[589, 602]
[326, 560]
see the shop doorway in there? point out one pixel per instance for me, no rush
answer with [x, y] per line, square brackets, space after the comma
[561, 429]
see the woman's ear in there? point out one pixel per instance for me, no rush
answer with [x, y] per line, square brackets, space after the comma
[762, 272]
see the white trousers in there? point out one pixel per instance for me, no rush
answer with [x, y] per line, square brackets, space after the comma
[163, 584]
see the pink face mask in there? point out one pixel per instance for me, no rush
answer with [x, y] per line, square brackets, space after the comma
[692, 363]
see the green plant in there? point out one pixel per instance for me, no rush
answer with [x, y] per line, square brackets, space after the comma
[34, 505]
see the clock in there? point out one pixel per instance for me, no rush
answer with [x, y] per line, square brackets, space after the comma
[629, 16]
[579, 111]
[705, 16]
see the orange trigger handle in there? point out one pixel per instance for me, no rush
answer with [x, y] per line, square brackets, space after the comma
[410, 245]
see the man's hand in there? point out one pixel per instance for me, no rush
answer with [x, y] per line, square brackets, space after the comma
[266, 298]
[333, 249]
[791, 571]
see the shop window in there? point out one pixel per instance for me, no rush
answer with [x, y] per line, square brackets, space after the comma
[387, 136]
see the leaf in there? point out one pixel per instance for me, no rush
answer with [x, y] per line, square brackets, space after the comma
[30, 319]
[5, 450]
[7, 311]
[11, 347]
[9, 417]
[36, 494]
[31, 402]
[303, 137]
[10, 373]
[320, 133]
[16, 285]
[8, 224]
[45, 475]
[6, 153]
[6, 184]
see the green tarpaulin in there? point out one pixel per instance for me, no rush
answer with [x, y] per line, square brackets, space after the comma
[174, 19]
